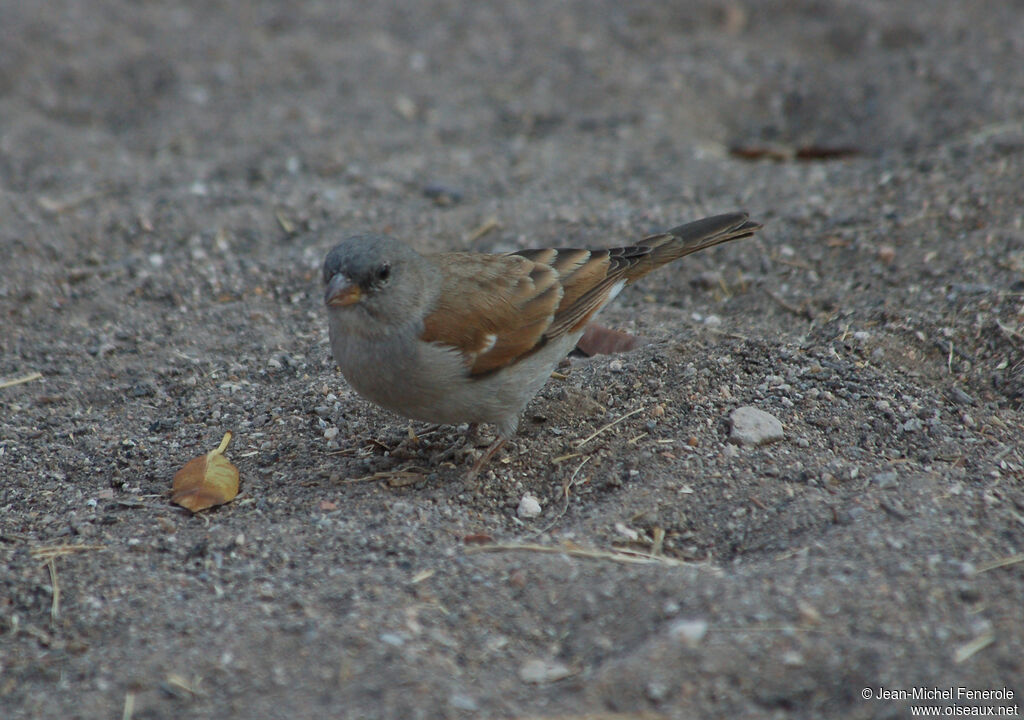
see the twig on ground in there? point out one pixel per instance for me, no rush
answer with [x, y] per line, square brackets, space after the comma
[610, 425]
[129, 706]
[642, 715]
[623, 556]
[21, 380]
[972, 648]
[49, 552]
[566, 486]
[51, 565]
[1001, 562]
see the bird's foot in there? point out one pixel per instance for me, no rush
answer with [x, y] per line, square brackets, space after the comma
[486, 457]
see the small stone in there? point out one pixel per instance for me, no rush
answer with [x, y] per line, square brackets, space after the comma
[792, 658]
[688, 632]
[539, 671]
[961, 397]
[529, 507]
[712, 321]
[627, 532]
[912, 425]
[392, 639]
[656, 691]
[463, 702]
[752, 427]
[885, 480]
[330, 433]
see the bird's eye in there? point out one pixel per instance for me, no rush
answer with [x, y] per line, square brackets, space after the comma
[383, 273]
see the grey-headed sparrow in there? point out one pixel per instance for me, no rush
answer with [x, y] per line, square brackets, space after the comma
[469, 337]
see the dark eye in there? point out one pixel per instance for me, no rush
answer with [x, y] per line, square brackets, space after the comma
[383, 273]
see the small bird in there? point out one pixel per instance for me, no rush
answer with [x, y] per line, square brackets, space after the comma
[470, 337]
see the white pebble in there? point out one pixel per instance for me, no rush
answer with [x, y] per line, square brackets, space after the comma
[330, 433]
[688, 632]
[529, 507]
[627, 532]
[539, 671]
[751, 426]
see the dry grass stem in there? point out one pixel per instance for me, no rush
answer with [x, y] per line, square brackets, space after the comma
[610, 425]
[402, 477]
[969, 650]
[20, 380]
[129, 706]
[622, 556]
[643, 715]
[491, 223]
[51, 565]
[49, 552]
[566, 486]
[1001, 562]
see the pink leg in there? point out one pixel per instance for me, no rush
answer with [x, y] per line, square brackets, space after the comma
[486, 457]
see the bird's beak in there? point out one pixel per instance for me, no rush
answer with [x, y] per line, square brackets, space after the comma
[341, 292]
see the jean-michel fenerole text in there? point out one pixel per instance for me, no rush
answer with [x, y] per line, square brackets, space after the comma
[943, 693]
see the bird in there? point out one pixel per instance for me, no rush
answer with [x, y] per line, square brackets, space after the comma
[468, 337]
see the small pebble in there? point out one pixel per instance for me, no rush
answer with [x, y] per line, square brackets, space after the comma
[529, 507]
[463, 702]
[539, 671]
[392, 639]
[753, 427]
[656, 691]
[885, 480]
[688, 632]
[627, 532]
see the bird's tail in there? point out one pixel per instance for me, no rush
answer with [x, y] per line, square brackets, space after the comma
[691, 237]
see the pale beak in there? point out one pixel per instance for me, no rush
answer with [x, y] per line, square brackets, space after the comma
[341, 292]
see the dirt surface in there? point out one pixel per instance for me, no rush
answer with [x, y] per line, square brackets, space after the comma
[171, 176]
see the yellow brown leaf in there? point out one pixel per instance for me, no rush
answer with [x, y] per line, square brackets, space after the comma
[207, 480]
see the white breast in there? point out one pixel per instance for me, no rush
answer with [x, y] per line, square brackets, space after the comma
[430, 382]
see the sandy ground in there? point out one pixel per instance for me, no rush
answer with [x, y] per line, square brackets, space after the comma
[171, 176]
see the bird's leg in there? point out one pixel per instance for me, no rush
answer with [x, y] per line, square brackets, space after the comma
[463, 443]
[486, 457]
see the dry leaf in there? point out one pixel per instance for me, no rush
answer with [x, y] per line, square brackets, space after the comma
[207, 480]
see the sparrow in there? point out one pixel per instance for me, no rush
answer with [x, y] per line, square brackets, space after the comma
[466, 337]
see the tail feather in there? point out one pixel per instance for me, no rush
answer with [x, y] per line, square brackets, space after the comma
[698, 235]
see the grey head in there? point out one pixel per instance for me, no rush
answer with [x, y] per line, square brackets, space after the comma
[375, 284]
